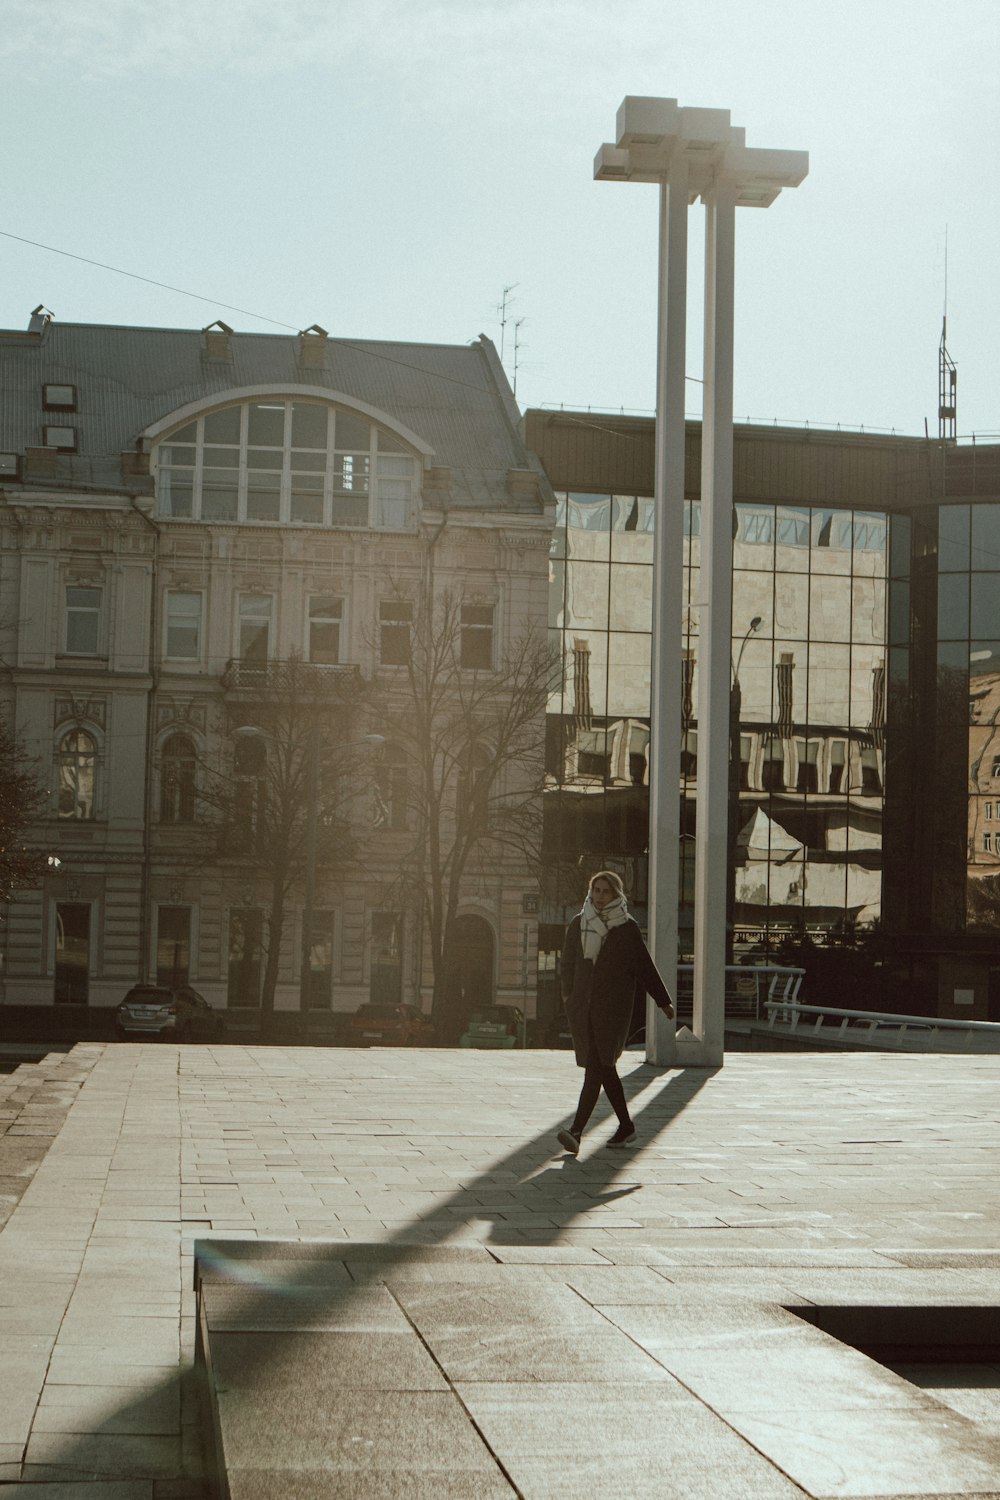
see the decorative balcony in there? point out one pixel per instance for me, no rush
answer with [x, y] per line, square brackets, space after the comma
[294, 677]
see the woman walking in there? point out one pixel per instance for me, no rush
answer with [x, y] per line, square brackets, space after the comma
[605, 965]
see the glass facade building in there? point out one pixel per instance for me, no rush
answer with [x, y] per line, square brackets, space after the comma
[865, 692]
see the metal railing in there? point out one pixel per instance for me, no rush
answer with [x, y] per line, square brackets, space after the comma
[293, 676]
[749, 987]
[880, 1030]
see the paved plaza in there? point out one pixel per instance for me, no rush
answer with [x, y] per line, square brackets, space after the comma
[787, 1289]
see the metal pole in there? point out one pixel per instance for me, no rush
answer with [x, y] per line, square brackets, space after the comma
[715, 630]
[668, 503]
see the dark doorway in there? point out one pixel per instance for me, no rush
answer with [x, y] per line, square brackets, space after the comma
[469, 970]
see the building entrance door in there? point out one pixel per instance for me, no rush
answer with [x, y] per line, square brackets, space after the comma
[469, 969]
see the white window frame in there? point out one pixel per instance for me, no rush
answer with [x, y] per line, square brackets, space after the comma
[238, 641]
[338, 619]
[473, 630]
[168, 624]
[390, 603]
[385, 473]
[84, 611]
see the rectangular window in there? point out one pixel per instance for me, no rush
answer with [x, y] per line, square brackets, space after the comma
[83, 621]
[246, 930]
[395, 488]
[395, 625]
[807, 752]
[476, 628]
[183, 626]
[72, 968]
[593, 753]
[988, 842]
[255, 628]
[838, 761]
[325, 619]
[773, 764]
[386, 979]
[319, 991]
[59, 398]
[988, 812]
[173, 946]
[61, 437]
[871, 781]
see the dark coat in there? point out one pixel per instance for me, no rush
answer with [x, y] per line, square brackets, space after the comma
[623, 973]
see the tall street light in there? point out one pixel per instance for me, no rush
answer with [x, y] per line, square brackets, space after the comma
[691, 154]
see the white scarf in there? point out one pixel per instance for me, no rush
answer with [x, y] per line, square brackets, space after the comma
[594, 924]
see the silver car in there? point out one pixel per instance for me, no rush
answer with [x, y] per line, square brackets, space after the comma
[173, 1015]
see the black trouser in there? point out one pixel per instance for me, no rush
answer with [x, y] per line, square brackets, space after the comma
[597, 1076]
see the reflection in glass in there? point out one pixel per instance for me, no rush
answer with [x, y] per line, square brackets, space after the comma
[953, 606]
[986, 536]
[985, 603]
[983, 886]
[953, 538]
[809, 708]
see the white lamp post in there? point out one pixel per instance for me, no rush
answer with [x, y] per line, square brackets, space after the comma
[690, 154]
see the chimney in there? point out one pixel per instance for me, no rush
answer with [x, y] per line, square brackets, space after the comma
[217, 336]
[312, 347]
[39, 320]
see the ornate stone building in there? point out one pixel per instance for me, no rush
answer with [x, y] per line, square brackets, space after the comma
[191, 519]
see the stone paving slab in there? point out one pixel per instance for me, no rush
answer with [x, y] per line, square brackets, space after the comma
[778, 1181]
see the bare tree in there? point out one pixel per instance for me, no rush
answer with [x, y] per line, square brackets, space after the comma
[277, 801]
[23, 801]
[470, 725]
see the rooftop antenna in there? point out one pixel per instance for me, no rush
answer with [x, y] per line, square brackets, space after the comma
[947, 371]
[503, 309]
[518, 346]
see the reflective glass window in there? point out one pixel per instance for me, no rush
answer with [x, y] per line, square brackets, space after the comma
[986, 537]
[587, 589]
[985, 604]
[953, 538]
[953, 606]
[900, 532]
[631, 597]
[830, 608]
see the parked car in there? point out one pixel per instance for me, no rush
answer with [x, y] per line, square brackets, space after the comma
[495, 1026]
[174, 1015]
[397, 1025]
[557, 1033]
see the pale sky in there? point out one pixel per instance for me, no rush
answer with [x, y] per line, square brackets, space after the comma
[386, 167]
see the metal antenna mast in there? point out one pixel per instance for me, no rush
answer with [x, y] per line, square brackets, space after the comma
[503, 309]
[947, 371]
[518, 346]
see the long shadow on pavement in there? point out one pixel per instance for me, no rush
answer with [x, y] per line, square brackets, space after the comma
[286, 1305]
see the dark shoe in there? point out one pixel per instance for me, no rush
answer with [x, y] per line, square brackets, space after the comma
[570, 1141]
[623, 1136]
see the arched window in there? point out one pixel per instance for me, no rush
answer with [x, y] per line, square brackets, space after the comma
[77, 773]
[177, 778]
[304, 462]
[391, 789]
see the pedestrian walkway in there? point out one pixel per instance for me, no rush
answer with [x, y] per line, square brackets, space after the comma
[662, 1315]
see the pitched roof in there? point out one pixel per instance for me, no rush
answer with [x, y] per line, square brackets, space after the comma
[455, 397]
